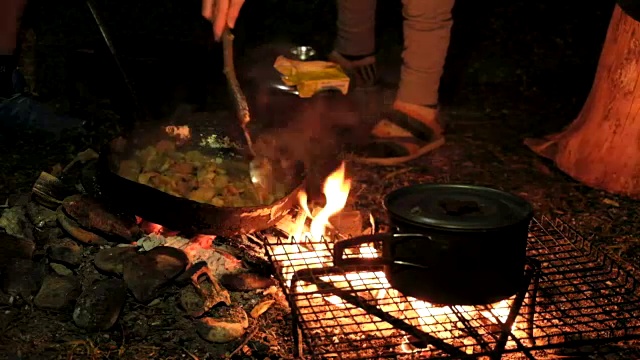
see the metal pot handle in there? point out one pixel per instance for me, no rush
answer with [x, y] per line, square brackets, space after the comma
[387, 239]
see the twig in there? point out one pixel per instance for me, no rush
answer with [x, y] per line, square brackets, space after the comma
[122, 350]
[251, 334]
[141, 111]
[190, 354]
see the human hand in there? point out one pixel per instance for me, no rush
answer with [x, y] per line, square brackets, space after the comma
[222, 14]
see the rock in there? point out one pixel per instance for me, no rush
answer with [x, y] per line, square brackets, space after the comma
[22, 277]
[14, 247]
[61, 269]
[19, 199]
[112, 260]
[14, 222]
[90, 214]
[99, 305]
[220, 331]
[6, 299]
[45, 235]
[64, 251]
[197, 299]
[228, 326]
[145, 274]
[40, 216]
[246, 281]
[57, 292]
[77, 232]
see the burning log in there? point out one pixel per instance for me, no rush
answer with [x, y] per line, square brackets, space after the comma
[348, 222]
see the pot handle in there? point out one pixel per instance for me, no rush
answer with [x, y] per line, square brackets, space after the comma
[387, 239]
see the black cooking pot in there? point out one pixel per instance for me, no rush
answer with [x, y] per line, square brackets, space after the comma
[450, 244]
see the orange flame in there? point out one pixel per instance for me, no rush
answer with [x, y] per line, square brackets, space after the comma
[336, 191]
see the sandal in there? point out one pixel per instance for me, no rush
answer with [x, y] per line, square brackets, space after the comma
[399, 138]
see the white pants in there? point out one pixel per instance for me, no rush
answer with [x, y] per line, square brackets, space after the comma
[426, 27]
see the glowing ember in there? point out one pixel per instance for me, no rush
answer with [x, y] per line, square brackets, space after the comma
[151, 228]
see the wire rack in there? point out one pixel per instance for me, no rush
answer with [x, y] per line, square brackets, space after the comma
[574, 293]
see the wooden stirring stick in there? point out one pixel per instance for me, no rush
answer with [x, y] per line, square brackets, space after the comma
[260, 168]
[240, 101]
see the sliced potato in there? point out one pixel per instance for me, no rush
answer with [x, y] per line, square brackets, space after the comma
[221, 181]
[203, 194]
[145, 177]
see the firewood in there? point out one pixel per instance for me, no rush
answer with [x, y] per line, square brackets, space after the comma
[49, 191]
[347, 222]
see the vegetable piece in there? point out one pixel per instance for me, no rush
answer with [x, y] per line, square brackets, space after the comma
[193, 175]
[129, 169]
[203, 194]
[165, 146]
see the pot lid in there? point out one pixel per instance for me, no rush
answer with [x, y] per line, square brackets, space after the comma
[461, 207]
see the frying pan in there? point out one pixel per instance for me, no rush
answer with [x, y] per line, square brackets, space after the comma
[173, 212]
[178, 213]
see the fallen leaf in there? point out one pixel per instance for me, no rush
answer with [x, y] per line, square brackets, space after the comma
[260, 308]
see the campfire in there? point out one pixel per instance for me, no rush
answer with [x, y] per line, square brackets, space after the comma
[356, 313]
[309, 246]
[571, 292]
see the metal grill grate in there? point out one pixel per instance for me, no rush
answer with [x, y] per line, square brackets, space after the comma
[582, 295]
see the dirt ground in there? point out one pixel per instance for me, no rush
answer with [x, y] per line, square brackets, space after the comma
[509, 76]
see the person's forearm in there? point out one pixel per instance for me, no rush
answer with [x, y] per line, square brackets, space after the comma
[10, 13]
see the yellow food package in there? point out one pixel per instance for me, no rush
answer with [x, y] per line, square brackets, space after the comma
[309, 77]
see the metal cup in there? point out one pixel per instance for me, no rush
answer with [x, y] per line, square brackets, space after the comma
[303, 53]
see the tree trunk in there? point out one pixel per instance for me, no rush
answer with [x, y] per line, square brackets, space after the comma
[601, 148]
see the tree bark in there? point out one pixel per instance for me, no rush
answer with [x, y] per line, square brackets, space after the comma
[601, 148]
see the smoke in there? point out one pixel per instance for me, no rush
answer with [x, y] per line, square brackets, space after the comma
[289, 129]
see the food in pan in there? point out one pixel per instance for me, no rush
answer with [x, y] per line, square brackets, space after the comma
[195, 176]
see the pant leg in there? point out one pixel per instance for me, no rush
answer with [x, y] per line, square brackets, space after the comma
[10, 12]
[356, 27]
[427, 28]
